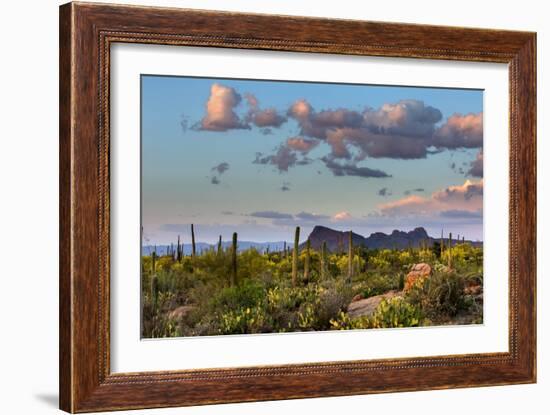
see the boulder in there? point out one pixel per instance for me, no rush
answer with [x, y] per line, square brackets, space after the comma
[367, 306]
[357, 298]
[178, 313]
[419, 272]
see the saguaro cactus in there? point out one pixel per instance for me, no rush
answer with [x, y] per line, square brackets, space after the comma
[441, 245]
[154, 281]
[234, 260]
[220, 245]
[154, 291]
[178, 253]
[295, 257]
[284, 249]
[450, 250]
[194, 248]
[323, 260]
[350, 256]
[307, 260]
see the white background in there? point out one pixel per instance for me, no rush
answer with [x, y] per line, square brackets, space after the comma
[129, 354]
[29, 208]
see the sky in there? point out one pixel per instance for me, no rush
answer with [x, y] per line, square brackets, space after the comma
[260, 157]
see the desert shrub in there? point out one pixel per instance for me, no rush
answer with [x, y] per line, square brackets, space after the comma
[396, 312]
[244, 321]
[344, 322]
[440, 295]
[245, 295]
[378, 283]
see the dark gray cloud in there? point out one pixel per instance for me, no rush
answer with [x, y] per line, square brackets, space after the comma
[476, 166]
[417, 190]
[283, 158]
[221, 168]
[352, 170]
[310, 216]
[402, 130]
[384, 192]
[285, 187]
[461, 214]
[271, 214]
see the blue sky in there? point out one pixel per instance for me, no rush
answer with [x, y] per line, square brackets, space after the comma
[260, 157]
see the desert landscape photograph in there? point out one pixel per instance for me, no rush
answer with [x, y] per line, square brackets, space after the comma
[285, 206]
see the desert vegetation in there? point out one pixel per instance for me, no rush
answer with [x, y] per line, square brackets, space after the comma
[225, 290]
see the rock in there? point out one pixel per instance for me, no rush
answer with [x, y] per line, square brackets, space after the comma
[178, 313]
[367, 306]
[357, 298]
[418, 273]
[473, 289]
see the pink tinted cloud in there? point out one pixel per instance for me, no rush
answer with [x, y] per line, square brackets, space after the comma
[467, 197]
[464, 131]
[341, 216]
[302, 145]
[269, 117]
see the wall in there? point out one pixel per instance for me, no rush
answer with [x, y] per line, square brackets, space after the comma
[28, 219]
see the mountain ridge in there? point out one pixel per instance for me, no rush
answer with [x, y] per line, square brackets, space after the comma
[336, 240]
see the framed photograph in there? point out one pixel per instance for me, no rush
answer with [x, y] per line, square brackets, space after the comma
[258, 207]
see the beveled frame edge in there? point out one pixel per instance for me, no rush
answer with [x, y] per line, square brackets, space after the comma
[86, 32]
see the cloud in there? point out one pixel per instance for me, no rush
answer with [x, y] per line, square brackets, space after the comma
[270, 214]
[285, 187]
[408, 117]
[476, 166]
[399, 130]
[283, 158]
[460, 131]
[221, 168]
[341, 216]
[302, 145]
[384, 192]
[352, 170]
[418, 190]
[262, 118]
[465, 197]
[405, 129]
[462, 214]
[312, 217]
[220, 110]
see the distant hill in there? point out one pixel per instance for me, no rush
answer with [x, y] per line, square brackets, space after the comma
[202, 246]
[397, 239]
[335, 240]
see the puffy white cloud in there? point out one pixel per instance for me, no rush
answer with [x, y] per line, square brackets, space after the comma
[220, 110]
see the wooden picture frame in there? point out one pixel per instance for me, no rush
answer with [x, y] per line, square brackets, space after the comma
[86, 33]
